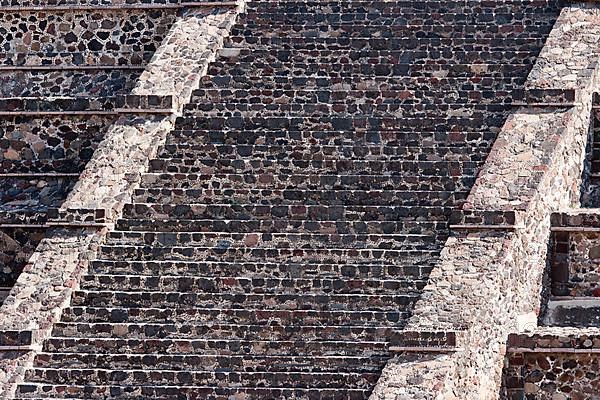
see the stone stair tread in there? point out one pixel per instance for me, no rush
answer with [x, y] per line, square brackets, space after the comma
[314, 379]
[229, 69]
[140, 315]
[318, 332]
[270, 301]
[216, 391]
[417, 270]
[215, 363]
[166, 277]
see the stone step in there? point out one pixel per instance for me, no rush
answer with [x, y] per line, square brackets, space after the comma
[405, 6]
[309, 105]
[220, 331]
[408, 32]
[177, 253]
[393, 318]
[231, 379]
[212, 363]
[233, 70]
[217, 392]
[341, 152]
[213, 347]
[413, 225]
[269, 240]
[352, 87]
[319, 299]
[392, 19]
[444, 142]
[262, 166]
[258, 41]
[277, 212]
[342, 122]
[376, 56]
[573, 312]
[174, 196]
[306, 182]
[416, 271]
[183, 286]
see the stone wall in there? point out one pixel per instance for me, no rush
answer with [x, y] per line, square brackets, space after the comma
[108, 181]
[63, 71]
[489, 280]
[552, 363]
[60, 39]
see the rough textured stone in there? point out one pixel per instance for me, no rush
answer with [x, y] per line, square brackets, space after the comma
[486, 281]
[44, 287]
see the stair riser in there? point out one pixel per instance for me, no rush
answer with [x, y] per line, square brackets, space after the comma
[407, 168]
[349, 123]
[236, 285]
[261, 269]
[282, 317]
[222, 332]
[421, 19]
[261, 137]
[339, 89]
[203, 347]
[366, 71]
[385, 43]
[316, 301]
[296, 197]
[128, 392]
[431, 228]
[87, 377]
[212, 363]
[286, 213]
[345, 153]
[267, 255]
[307, 182]
[377, 56]
[268, 240]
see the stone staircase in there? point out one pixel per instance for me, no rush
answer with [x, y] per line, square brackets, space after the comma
[277, 244]
[64, 68]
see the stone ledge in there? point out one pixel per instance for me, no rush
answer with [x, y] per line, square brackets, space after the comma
[569, 340]
[14, 338]
[540, 97]
[39, 174]
[61, 67]
[57, 104]
[117, 105]
[575, 220]
[77, 217]
[119, 7]
[485, 220]
[423, 341]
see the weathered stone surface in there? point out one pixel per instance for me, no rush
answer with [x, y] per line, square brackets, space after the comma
[487, 283]
[319, 90]
[44, 287]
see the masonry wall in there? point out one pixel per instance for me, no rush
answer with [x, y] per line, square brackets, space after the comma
[62, 71]
[106, 183]
[489, 282]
